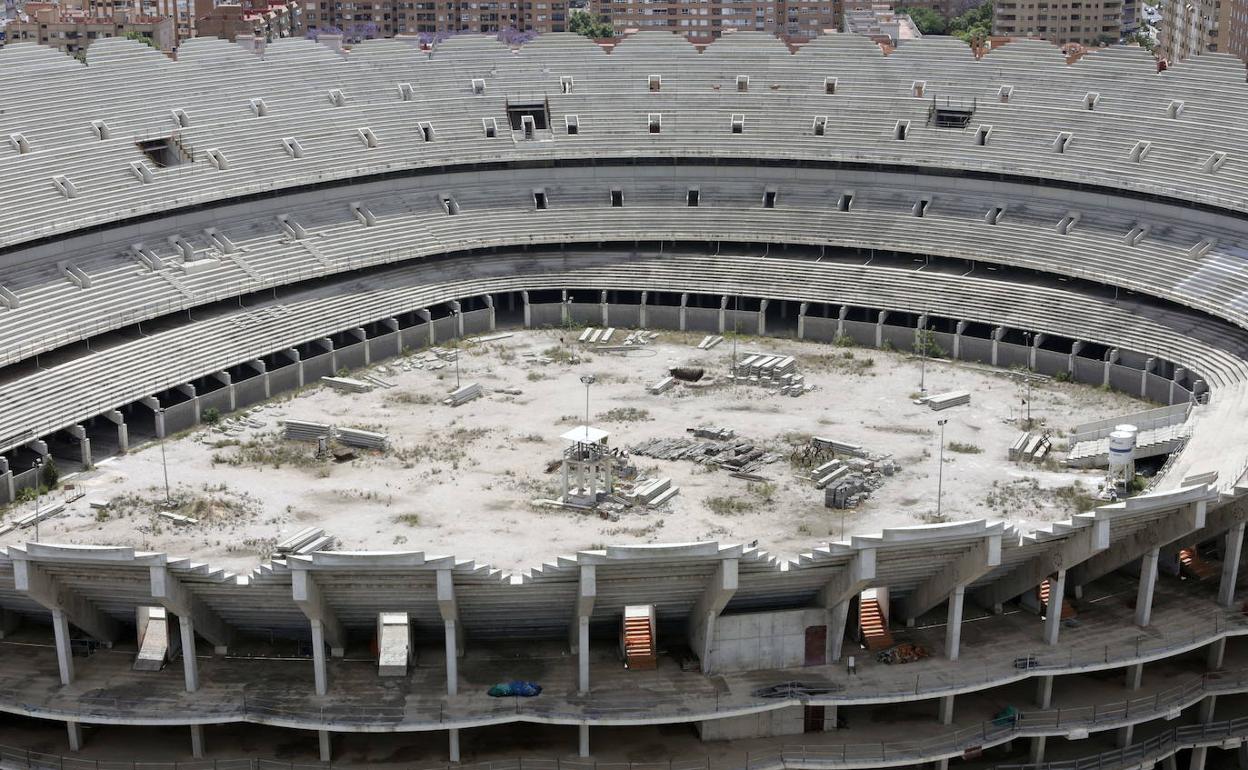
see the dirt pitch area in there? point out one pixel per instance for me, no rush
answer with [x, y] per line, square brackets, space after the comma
[463, 480]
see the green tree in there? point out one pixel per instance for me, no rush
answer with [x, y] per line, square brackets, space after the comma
[583, 23]
[51, 474]
[927, 20]
[974, 26]
[140, 37]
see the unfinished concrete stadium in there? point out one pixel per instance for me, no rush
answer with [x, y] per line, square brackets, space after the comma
[251, 252]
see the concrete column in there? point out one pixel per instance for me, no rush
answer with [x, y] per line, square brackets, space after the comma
[641, 312]
[1148, 582]
[227, 382]
[582, 655]
[1207, 707]
[152, 403]
[327, 751]
[1216, 654]
[459, 317]
[1124, 735]
[838, 618]
[1036, 756]
[190, 666]
[392, 325]
[1231, 552]
[762, 317]
[1198, 758]
[197, 741]
[7, 492]
[1036, 340]
[74, 730]
[318, 657]
[528, 310]
[84, 444]
[723, 310]
[1149, 365]
[64, 655]
[604, 309]
[452, 658]
[1111, 358]
[1044, 692]
[1053, 616]
[997, 334]
[564, 315]
[262, 371]
[831, 717]
[298, 364]
[1135, 676]
[453, 748]
[801, 320]
[1170, 763]
[946, 710]
[489, 304]
[684, 303]
[583, 742]
[840, 320]
[958, 331]
[1241, 755]
[953, 628]
[879, 328]
[426, 316]
[1179, 374]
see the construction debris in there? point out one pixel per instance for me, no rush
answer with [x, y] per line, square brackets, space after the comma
[709, 446]
[662, 386]
[361, 438]
[947, 400]
[652, 492]
[463, 395]
[710, 341]
[299, 430]
[905, 652]
[347, 384]
[846, 481]
[31, 518]
[306, 541]
[176, 518]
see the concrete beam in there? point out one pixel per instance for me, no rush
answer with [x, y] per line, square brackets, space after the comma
[1076, 548]
[74, 730]
[197, 741]
[836, 595]
[1184, 520]
[31, 579]
[307, 594]
[973, 564]
[587, 592]
[1231, 552]
[175, 597]
[1148, 582]
[454, 634]
[718, 592]
[1053, 613]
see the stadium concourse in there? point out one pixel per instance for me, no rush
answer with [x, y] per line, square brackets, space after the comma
[254, 220]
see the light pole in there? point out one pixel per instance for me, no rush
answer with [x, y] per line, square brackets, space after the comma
[163, 462]
[923, 355]
[940, 466]
[587, 380]
[38, 484]
[1028, 337]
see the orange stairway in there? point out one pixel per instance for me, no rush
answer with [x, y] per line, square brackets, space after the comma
[1195, 567]
[638, 638]
[874, 629]
[1068, 610]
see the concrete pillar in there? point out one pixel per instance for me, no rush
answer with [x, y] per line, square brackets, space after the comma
[297, 362]
[1216, 654]
[1135, 676]
[879, 328]
[838, 618]
[64, 655]
[1198, 758]
[762, 317]
[1149, 365]
[1036, 756]
[426, 316]
[528, 309]
[953, 628]
[801, 320]
[603, 308]
[723, 310]
[392, 326]
[946, 710]
[459, 317]
[1124, 735]
[997, 334]
[1179, 374]
[197, 741]
[1170, 763]
[1053, 616]
[1111, 358]
[840, 320]
[318, 657]
[684, 304]
[1148, 582]
[7, 491]
[452, 658]
[1036, 340]
[453, 748]
[582, 655]
[1044, 692]
[641, 311]
[123, 433]
[1207, 707]
[831, 717]
[489, 305]
[190, 666]
[84, 444]
[1241, 755]
[327, 751]
[227, 382]
[151, 402]
[1231, 552]
[262, 371]
[74, 731]
[582, 749]
[958, 331]
[564, 316]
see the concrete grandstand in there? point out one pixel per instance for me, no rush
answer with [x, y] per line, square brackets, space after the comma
[251, 223]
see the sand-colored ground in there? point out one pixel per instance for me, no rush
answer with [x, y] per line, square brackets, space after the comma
[462, 480]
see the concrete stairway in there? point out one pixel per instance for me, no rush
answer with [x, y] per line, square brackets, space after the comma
[639, 638]
[1193, 566]
[1068, 610]
[874, 628]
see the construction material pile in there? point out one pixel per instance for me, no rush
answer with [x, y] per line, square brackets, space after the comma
[1030, 447]
[946, 400]
[463, 395]
[594, 336]
[714, 446]
[847, 480]
[347, 384]
[306, 541]
[301, 430]
[769, 370]
[905, 652]
[710, 341]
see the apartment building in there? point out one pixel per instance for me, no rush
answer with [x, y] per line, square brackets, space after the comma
[73, 31]
[1190, 28]
[881, 24]
[386, 18]
[711, 18]
[1090, 22]
[1233, 28]
[269, 19]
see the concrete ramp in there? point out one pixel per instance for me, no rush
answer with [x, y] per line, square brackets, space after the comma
[394, 644]
[153, 625]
